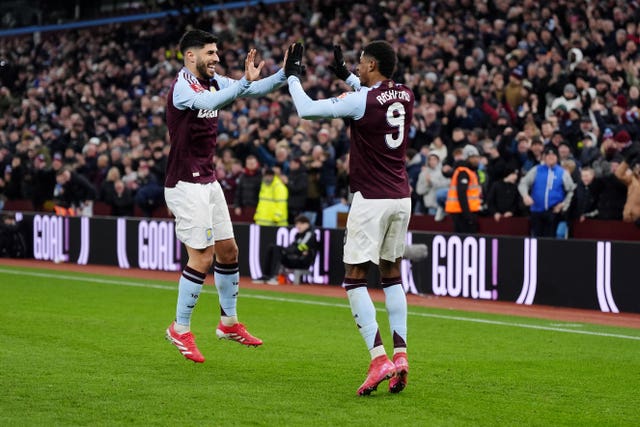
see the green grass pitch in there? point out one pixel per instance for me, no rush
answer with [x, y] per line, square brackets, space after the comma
[90, 350]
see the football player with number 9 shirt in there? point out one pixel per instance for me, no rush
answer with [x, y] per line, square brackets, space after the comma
[380, 112]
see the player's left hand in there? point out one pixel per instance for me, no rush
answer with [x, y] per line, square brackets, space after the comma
[293, 60]
[339, 66]
[251, 72]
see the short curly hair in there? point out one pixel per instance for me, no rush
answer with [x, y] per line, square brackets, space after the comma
[384, 54]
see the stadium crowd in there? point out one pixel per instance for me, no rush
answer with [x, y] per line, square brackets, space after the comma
[82, 111]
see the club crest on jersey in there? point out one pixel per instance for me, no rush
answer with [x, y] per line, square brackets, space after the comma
[197, 87]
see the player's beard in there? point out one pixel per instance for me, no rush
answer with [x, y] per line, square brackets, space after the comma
[201, 66]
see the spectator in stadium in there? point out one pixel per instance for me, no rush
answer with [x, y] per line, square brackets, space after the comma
[493, 164]
[300, 254]
[314, 164]
[148, 194]
[14, 172]
[415, 162]
[503, 199]
[248, 188]
[272, 207]
[610, 193]
[586, 202]
[381, 113]
[568, 101]
[44, 183]
[438, 147]
[297, 187]
[547, 190]
[589, 152]
[464, 197]
[429, 182]
[73, 194]
[343, 195]
[228, 179]
[192, 193]
[107, 188]
[121, 201]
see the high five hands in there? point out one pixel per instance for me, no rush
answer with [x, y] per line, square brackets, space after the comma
[251, 72]
[293, 60]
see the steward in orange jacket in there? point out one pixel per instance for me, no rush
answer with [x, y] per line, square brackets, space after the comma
[464, 198]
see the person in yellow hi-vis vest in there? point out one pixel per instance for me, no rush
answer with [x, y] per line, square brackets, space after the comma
[464, 198]
[272, 201]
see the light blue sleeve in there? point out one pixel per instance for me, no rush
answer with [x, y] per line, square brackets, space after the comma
[353, 81]
[266, 85]
[186, 97]
[352, 105]
[256, 88]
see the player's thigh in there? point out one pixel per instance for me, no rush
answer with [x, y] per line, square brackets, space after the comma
[397, 219]
[364, 231]
[220, 217]
[189, 204]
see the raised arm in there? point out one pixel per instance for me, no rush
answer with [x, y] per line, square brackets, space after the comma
[189, 93]
[260, 87]
[350, 105]
[339, 68]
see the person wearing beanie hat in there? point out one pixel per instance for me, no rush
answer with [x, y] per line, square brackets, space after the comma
[513, 90]
[607, 133]
[622, 137]
[469, 151]
[628, 149]
[547, 189]
[550, 149]
[503, 199]
[569, 100]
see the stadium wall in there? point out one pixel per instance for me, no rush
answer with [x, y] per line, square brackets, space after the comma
[591, 274]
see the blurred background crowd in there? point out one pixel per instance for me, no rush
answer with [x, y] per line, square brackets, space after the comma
[82, 111]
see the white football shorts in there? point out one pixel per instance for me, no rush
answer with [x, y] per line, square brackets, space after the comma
[201, 212]
[376, 229]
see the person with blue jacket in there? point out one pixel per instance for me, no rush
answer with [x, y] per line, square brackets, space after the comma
[547, 189]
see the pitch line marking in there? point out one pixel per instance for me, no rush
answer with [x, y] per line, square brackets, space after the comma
[326, 304]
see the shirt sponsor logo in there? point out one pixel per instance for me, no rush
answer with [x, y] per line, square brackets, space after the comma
[207, 114]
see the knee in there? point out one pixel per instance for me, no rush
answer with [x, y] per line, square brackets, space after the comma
[201, 262]
[226, 253]
[389, 268]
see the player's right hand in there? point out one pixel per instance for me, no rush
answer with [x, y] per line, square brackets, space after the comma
[339, 66]
[251, 72]
[293, 61]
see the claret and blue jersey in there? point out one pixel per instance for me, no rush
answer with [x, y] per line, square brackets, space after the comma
[381, 117]
[192, 120]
